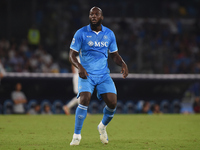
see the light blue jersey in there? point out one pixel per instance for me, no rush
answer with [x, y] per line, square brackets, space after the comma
[93, 48]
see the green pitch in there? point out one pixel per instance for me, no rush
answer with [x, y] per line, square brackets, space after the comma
[155, 132]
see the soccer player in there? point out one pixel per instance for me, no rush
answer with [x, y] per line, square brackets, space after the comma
[2, 71]
[92, 43]
[74, 101]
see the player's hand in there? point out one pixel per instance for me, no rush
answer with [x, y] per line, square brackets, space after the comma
[82, 72]
[124, 70]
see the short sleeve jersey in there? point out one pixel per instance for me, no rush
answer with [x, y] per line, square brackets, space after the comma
[93, 48]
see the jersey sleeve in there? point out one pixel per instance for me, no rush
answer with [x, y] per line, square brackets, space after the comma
[76, 41]
[113, 45]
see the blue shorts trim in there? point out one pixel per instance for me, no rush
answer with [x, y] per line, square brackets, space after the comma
[102, 83]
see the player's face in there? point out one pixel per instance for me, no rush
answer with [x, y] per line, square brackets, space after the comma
[95, 17]
[18, 87]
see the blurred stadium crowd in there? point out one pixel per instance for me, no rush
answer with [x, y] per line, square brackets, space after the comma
[20, 104]
[34, 107]
[163, 38]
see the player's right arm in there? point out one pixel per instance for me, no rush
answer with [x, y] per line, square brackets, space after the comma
[73, 69]
[74, 51]
[72, 58]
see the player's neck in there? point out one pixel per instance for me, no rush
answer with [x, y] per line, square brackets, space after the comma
[96, 28]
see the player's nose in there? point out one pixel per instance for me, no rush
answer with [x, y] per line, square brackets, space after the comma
[94, 16]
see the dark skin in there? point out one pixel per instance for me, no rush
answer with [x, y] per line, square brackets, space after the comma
[95, 17]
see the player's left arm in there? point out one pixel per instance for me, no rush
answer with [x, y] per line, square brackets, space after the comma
[1, 75]
[2, 71]
[120, 62]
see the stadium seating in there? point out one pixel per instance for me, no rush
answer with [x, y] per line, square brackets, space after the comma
[164, 106]
[139, 106]
[120, 107]
[94, 107]
[31, 104]
[152, 103]
[175, 106]
[45, 102]
[8, 107]
[186, 107]
[101, 107]
[129, 107]
[57, 107]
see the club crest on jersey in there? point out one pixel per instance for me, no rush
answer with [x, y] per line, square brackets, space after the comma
[73, 41]
[105, 37]
[90, 43]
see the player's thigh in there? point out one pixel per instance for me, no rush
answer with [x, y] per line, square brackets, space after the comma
[85, 90]
[110, 99]
[107, 88]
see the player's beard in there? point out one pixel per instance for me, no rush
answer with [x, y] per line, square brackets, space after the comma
[97, 24]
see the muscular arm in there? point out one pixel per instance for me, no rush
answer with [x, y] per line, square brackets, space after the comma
[73, 69]
[72, 58]
[120, 62]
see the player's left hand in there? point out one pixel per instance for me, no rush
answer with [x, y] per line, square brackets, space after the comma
[124, 70]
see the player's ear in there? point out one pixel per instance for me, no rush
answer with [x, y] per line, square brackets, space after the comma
[102, 17]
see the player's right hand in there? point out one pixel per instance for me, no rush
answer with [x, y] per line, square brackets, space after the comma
[82, 72]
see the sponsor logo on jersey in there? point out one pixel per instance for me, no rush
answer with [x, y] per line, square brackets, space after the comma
[98, 44]
[101, 44]
[89, 36]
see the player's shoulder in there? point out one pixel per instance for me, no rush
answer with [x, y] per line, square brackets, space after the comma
[108, 31]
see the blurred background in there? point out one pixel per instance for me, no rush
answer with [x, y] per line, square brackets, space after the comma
[153, 37]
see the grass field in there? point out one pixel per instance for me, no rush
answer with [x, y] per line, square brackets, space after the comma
[135, 132]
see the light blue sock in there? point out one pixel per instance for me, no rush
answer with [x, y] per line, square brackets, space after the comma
[108, 115]
[81, 113]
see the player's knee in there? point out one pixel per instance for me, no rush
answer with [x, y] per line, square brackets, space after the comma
[112, 104]
[84, 102]
[85, 99]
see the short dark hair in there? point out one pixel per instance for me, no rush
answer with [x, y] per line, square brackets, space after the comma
[98, 9]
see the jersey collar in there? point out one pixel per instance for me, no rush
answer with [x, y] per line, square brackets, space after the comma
[89, 28]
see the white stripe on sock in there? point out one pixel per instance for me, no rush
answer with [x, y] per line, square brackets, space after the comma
[82, 108]
[111, 110]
